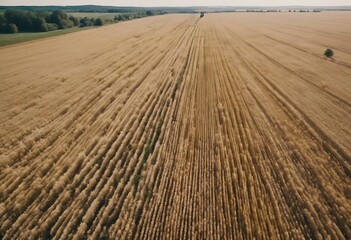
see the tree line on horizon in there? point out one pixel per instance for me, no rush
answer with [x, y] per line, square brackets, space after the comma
[14, 21]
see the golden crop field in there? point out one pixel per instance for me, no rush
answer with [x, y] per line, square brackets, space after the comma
[232, 126]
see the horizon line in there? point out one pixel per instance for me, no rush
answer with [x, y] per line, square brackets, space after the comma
[171, 6]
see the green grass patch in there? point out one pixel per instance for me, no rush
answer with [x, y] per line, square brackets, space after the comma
[103, 16]
[8, 39]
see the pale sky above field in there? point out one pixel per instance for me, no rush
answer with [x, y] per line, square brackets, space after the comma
[180, 2]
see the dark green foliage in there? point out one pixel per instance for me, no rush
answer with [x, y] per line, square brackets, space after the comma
[27, 21]
[2, 19]
[51, 26]
[135, 15]
[202, 14]
[329, 53]
[43, 15]
[102, 9]
[3, 24]
[120, 18]
[67, 24]
[61, 20]
[11, 28]
[86, 22]
[98, 22]
[37, 23]
[74, 20]
[130, 16]
[44, 28]
[22, 19]
[57, 17]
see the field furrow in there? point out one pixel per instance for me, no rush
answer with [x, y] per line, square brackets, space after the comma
[230, 126]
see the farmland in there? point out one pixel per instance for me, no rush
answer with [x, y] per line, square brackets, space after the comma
[104, 16]
[8, 39]
[232, 126]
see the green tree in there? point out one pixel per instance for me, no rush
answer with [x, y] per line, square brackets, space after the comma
[74, 20]
[51, 26]
[12, 28]
[37, 24]
[329, 53]
[2, 19]
[44, 28]
[86, 22]
[22, 19]
[98, 22]
[57, 17]
[120, 18]
[3, 24]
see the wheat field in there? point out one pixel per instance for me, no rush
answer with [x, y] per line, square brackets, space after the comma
[232, 126]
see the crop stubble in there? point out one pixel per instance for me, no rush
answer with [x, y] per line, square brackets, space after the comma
[230, 126]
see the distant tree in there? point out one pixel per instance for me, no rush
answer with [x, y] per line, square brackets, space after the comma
[86, 22]
[60, 18]
[37, 24]
[98, 22]
[202, 14]
[29, 21]
[12, 28]
[44, 27]
[148, 13]
[11, 15]
[329, 53]
[51, 26]
[22, 19]
[43, 15]
[120, 18]
[3, 24]
[2, 19]
[66, 23]
[74, 20]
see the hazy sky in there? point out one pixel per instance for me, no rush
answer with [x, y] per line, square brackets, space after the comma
[179, 2]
